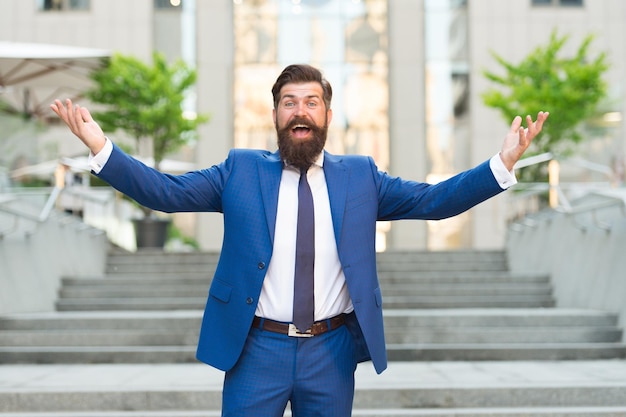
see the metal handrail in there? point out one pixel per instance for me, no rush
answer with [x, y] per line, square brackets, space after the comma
[610, 202]
[19, 214]
[533, 160]
[47, 208]
[103, 212]
[554, 185]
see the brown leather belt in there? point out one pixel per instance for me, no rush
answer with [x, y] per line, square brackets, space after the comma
[319, 327]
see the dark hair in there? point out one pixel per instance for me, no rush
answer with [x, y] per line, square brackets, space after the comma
[301, 73]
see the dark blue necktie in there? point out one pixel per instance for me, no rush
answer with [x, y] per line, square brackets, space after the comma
[303, 303]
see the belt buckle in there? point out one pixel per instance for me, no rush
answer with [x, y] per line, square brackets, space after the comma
[294, 332]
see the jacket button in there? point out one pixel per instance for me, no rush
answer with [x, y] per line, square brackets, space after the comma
[261, 265]
[249, 300]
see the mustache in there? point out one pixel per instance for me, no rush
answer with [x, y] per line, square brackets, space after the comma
[303, 121]
[299, 120]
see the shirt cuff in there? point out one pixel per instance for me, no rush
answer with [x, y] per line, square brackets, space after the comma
[504, 177]
[97, 162]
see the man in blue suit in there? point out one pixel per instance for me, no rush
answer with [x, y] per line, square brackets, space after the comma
[248, 329]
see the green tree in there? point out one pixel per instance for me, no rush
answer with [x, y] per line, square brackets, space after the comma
[569, 88]
[146, 101]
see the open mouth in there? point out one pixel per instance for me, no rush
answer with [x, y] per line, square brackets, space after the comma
[300, 131]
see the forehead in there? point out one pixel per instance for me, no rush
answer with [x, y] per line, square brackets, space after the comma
[302, 90]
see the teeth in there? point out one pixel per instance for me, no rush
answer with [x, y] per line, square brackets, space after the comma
[301, 126]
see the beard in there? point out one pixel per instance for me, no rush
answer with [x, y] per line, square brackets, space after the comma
[301, 153]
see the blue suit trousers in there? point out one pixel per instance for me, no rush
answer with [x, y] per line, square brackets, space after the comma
[314, 375]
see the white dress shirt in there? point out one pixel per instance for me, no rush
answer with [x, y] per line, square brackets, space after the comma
[331, 292]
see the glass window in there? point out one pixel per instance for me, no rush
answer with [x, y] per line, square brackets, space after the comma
[347, 40]
[446, 34]
[167, 4]
[60, 5]
[577, 3]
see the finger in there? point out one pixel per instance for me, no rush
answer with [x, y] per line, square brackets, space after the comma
[541, 118]
[75, 125]
[536, 127]
[531, 130]
[59, 109]
[69, 111]
[55, 109]
[86, 115]
[78, 118]
[523, 136]
[515, 125]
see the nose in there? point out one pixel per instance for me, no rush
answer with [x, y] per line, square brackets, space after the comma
[301, 109]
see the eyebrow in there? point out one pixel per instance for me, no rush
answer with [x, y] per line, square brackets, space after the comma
[306, 97]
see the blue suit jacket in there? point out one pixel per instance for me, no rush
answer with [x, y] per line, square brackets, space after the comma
[245, 189]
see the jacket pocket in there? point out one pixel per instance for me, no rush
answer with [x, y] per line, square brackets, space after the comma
[220, 291]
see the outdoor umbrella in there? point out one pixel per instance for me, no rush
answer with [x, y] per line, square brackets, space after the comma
[33, 74]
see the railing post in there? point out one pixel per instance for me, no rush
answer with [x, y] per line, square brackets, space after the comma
[553, 181]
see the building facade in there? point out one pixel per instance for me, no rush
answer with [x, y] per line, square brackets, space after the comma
[407, 76]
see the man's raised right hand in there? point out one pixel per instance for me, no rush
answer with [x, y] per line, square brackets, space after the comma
[80, 122]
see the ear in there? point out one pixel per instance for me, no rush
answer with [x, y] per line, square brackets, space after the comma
[329, 116]
[274, 116]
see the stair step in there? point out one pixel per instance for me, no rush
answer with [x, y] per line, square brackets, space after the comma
[386, 277]
[465, 289]
[501, 335]
[399, 324]
[391, 412]
[505, 352]
[403, 302]
[422, 335]
[160, 269]
[94, 338]
[510, 387]
[396, 261]
[96, 320]
[98, 354]
[112, 304]
[400, 318]
[133, 291]
[498, 317]
[452, 301]
[434, 267]
[452, 277]
[172, 289]
[395, 352]
[457, 256]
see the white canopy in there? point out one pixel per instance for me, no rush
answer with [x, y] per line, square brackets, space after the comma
[32, 74]
[46, 169]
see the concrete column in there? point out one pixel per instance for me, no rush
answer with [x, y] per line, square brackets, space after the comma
[214, 89]
[406, 110]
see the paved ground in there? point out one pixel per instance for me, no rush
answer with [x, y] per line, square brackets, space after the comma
[399, 374]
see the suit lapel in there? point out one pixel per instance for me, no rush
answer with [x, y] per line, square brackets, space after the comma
[270, 171]
[337, 175]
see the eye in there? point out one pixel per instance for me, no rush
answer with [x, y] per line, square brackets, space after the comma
[289, 104]
[312, 104]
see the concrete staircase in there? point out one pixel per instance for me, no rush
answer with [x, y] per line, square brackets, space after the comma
[438, 306]
[446, 313]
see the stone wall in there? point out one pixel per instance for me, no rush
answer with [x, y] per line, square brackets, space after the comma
[582, 250]
[35, 256]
